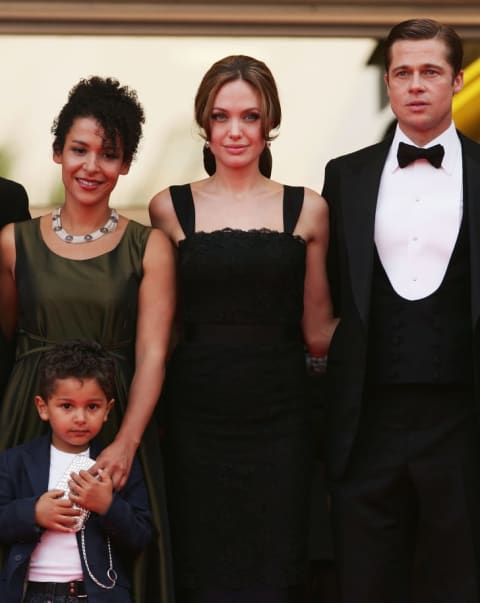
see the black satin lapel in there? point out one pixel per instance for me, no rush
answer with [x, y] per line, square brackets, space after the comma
[361, 192]
[471, 184]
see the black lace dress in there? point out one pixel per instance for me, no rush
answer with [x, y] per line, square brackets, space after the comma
[238, 423]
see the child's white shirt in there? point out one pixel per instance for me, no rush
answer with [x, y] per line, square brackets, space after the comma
[56, 557]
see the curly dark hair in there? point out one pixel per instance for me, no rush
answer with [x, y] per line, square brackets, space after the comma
[116, 108]
[78, 359]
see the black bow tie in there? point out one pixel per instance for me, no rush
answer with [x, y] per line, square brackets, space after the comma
[407, 154]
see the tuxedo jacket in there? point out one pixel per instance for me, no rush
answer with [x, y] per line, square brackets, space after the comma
[24, 474]
[13, 202]
[351, 189]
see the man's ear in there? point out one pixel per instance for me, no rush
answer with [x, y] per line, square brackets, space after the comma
[458, 82]
[42, 408]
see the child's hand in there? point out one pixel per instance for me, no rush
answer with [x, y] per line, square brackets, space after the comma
[95, 493]
[53, 512]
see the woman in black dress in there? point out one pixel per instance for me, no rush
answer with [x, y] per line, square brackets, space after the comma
[252, 292]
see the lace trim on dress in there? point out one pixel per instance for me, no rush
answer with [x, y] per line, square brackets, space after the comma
[240, 231]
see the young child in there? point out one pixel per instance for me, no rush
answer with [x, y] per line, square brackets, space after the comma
[49, 558]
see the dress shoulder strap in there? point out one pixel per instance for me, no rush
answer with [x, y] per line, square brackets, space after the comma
[184, 207]
[292, 206]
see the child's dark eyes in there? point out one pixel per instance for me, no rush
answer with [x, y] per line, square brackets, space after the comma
[69, 406]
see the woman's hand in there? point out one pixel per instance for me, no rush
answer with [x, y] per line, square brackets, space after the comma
[116, 461]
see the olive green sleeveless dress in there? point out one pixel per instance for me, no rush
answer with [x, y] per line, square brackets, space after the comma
[97, 298]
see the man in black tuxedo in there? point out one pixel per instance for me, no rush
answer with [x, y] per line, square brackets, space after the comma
[403, 364]
[13, 208]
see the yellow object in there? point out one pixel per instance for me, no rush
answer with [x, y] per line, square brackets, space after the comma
[466, 103]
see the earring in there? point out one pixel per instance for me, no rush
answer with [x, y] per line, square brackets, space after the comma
[209, 162]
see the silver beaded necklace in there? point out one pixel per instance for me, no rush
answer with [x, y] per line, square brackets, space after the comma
[109, 226]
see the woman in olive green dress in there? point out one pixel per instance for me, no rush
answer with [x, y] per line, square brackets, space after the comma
[83, 271]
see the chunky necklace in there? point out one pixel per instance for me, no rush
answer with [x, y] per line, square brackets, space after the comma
[109, 226]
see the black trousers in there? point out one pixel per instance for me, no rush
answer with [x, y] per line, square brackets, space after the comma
[406, 513]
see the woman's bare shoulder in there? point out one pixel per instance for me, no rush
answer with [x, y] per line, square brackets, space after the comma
[315, 203]
[161, 203]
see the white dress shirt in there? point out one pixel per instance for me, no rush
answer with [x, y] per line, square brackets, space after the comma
[418, 216]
